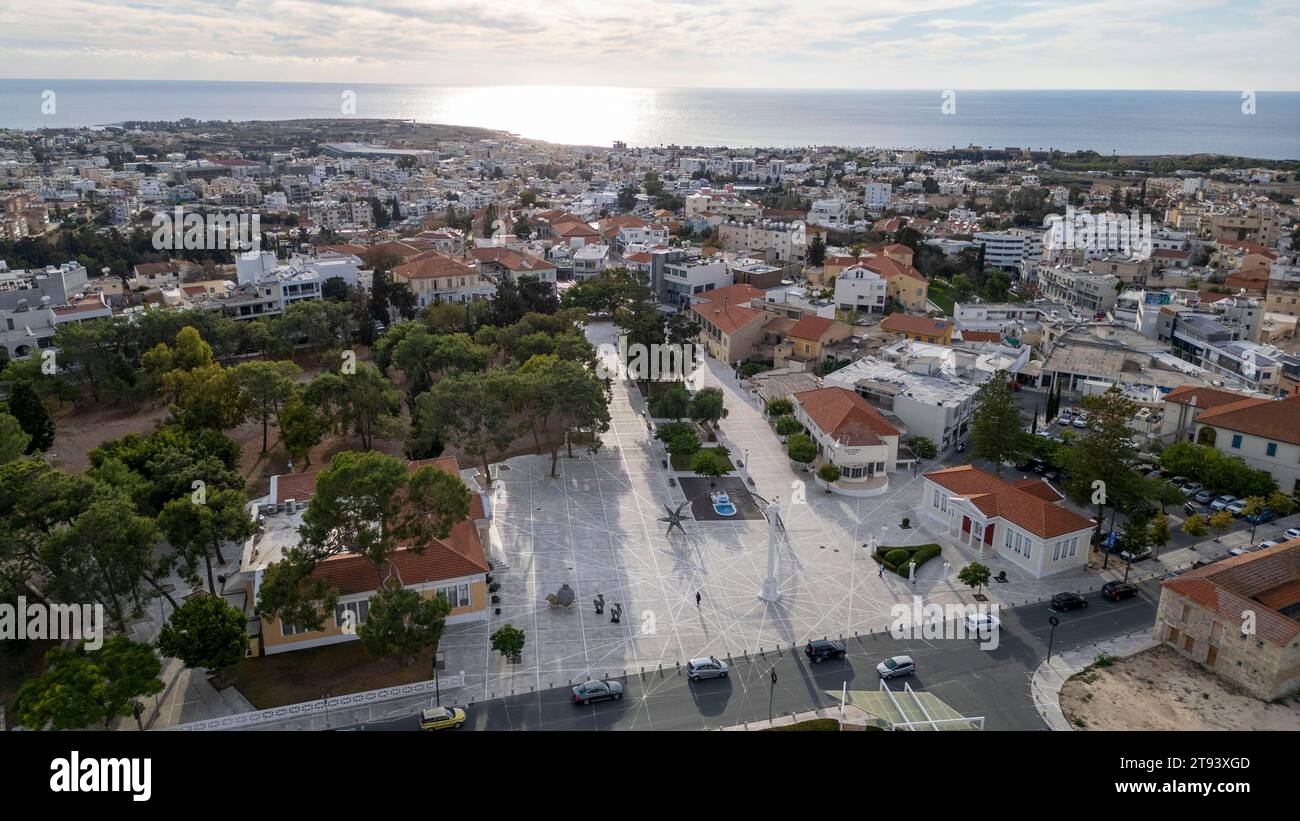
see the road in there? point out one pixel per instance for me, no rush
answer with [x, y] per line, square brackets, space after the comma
[993, 684]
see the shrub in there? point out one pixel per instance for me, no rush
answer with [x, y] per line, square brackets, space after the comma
[709, 463]
[786, 425]
[779, 406]
[828, 473]
[684, 444]
[897, 557]
[801, 449]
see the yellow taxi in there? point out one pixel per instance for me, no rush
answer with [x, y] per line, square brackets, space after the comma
[441, 718]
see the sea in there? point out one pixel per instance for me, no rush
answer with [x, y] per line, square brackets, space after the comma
[1264, 125]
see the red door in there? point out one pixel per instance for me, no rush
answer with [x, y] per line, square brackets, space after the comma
[965, 524]
[988, 534]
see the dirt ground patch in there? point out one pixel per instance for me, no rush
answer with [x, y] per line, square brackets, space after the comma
[306, 675]
[78, 432]
[1160, 690]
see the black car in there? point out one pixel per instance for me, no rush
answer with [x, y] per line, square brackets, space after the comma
[1068, 601]
[822, 649]
[1118, 590]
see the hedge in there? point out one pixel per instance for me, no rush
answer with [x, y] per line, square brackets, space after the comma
[897, 559]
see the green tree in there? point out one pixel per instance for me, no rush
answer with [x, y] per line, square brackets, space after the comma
[786, 425]
[401, 622]
[778, 407]
[266, 386]
[707, 462]
[509, 642]
[707, 409]
[363, 401]
[82, 687]
[1221, 521]
[1158, 535]
[302, 427]
[205, 633]
[1195, 525]
[475, 410]
[29, 409]
[801, 449]
[974, 575]
[675, 403]
[206, 397]
[1102, 454]
[995, 432]
[829, 473]
[197, 530]
[13, 439]
[923, 447]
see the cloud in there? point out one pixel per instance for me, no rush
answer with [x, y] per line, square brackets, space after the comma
[834, 43]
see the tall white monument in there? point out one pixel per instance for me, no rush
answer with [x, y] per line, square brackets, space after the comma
[769, 592]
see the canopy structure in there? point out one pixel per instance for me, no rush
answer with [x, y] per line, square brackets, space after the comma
[908, 709]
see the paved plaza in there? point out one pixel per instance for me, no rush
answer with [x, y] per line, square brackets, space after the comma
[596, 527]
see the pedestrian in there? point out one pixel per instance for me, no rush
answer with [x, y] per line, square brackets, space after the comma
[880, 571]
[697, 598]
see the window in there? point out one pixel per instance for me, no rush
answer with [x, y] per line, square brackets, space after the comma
[1272, 449]
[360, 612]
[458, 595]
[1236, 441]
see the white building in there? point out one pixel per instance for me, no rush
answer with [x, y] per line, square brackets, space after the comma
[849, 433]
[1021, 523]
[878, 195]
[926, 401]
[860, 289]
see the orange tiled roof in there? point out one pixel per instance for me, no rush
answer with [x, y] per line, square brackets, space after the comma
[1269, 577]
[845, 416]
[997, 497]
[811, 326]
[909, 324]
[1275, 419]
[725, 308]
[1206, 398]
[460, 554]
[432, 264]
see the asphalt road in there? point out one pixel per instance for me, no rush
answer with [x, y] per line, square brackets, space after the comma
[990, 683]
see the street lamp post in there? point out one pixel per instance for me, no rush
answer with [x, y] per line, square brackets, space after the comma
[771, 691]
[437, 687]
[1052, 620]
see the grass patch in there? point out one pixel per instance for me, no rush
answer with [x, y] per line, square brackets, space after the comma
[940, 294]
[813, 725]
[307, 675]
[683, 462]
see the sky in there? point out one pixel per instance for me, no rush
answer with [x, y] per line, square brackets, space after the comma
[894, 44]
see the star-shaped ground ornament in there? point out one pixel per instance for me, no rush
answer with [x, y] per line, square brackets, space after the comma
[674, 518]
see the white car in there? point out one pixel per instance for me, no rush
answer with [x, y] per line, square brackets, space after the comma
[1265, 545]
[1081, 421]
[896, 666]
[1293, 533]
[1223, 501]
[1237, 508]
[981, 624]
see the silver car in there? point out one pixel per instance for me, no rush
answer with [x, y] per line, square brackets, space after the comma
[896, 666]
[706, 667]
[590, 691]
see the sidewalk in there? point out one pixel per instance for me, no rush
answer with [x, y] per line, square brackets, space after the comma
[1052, 675]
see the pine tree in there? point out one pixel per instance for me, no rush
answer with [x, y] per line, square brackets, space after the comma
[30, 411]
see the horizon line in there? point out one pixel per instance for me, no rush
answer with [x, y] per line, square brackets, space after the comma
[648, 87]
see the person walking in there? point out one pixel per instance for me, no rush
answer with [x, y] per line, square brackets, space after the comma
[881, 571]
[697, 598]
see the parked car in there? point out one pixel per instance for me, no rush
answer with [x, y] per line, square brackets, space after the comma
[1222, 502]
[822, 649]
[1266, 544]
[1118, 590]
[1262, 518]
[1292, 533]
[982, 624]
[896, 666]
[1204, 497]
[442, 718]
[1192, 488]
[1064, 419]
[1081, 421]
[1238, 551]
[597, 690]
[1135, 557]
[1178, 481]
[1155, 474]
[1068, 601]
[706, 667]
[1237, 508]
